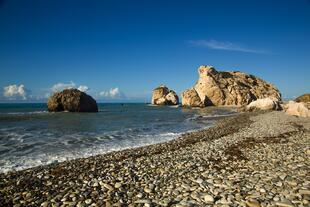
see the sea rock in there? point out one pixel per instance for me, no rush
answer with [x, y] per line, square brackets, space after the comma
[191, 98]
[163, 96]
[296, 109]
[71, 100]
[264, 104]
[172, 98]
[231, 88]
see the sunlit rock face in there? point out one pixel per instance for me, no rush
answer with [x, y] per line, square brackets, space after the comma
[297, 109]
[163, 96]
[230, 88]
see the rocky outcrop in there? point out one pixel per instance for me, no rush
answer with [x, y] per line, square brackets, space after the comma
[264, 104]
[296, 109]
[190, 98]
[72, 100]
[303, 98]
[163, 96]
[231, 88]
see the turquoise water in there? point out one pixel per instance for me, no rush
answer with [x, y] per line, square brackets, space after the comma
[31, 136]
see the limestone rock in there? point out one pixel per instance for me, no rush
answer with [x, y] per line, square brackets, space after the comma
[172, 98]
[296, 109]
[303, 98]
[163, 96]
[264, 104]
[71, 100]
[231, 88]
[190, 98]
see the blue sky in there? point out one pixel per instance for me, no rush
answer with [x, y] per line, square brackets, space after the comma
[121, 50]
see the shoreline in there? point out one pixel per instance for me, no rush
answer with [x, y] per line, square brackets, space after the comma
[128, 151]
[159, 137]
[181, 172]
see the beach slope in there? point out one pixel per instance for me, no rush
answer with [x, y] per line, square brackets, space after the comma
[254, 159]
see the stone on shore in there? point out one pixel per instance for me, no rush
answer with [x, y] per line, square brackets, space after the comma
[303, 98]
[264, 104]
[231, 88]
[296, 109]
[71, 100]
[163, 96]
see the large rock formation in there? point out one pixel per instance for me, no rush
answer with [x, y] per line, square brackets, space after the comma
[72, 100]
[229, 88]
[163, 96]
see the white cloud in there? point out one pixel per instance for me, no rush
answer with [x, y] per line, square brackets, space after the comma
[15, 92]
[113, 93]
[61, 86]
[229, 46]
[83, 88]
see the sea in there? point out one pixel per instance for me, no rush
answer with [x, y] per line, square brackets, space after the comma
[31, 136]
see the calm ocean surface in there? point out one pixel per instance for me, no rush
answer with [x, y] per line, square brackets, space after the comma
[30, 136]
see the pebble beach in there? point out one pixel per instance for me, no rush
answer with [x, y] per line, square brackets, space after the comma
[251, 159]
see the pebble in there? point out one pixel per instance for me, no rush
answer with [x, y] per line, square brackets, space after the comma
[282, 177]
[208, 198]
[285, 203]
[44, 204]
[304, 192]
[108, 186]
[118, 185]
[279, 184]
[199, 180]
[252, 203]
[88, 201]
[147, 190]
[143, 201]
[139, 195]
